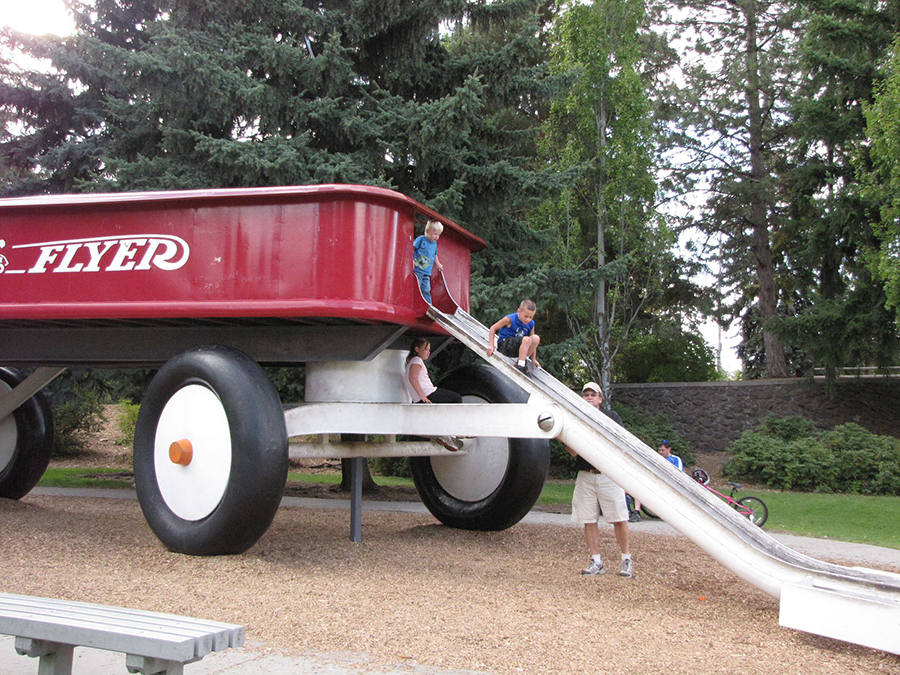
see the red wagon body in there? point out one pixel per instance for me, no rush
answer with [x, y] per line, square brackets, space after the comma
[211, 259]
[210, 284]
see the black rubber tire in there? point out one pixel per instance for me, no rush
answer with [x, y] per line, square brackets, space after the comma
[28, 460]
[759, 508]
[518, 489]
[259, 456]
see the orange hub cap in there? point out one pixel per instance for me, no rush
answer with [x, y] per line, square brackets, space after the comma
[181, 452]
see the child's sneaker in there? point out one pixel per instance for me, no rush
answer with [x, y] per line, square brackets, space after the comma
[635, 517]
[523, 369]
[596, 567]
[627, 568]
[451, 443]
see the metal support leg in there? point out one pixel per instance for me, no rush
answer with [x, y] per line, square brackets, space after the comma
[31, 385]
[357, 465]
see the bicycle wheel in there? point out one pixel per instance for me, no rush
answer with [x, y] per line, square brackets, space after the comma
[700, 476]
[647, 512]
[758, 511]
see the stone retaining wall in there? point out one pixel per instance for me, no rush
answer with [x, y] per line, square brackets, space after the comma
[712, 414]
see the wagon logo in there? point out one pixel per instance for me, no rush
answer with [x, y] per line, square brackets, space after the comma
[101, 254]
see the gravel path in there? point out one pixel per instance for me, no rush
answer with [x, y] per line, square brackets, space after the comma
[502, 602]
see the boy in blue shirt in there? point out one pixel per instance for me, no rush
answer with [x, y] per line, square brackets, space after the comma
[516, 337]
[665, 449]
[425, 256]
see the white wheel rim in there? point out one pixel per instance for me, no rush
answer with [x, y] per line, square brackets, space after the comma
[478, 473]
[194, 491]
[9, 435]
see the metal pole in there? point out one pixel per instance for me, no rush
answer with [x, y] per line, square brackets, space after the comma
[31, 385]
[357, 464]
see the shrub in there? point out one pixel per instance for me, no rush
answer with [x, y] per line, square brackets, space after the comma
[76, 399]
[73, 419]
[790, 454]
[562, 464]
[787, 428]
[390, 466]
[758, 458]
[651, 429]
[864, 461]
[810, 466]
[128, 414]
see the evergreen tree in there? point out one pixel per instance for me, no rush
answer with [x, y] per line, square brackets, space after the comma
[878, 169]
[165, 95]
[739, 70]
[839, 315]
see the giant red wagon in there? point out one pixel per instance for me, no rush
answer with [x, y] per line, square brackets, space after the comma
[209, 284]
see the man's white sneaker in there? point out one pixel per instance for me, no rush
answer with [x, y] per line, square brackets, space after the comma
[596, 567]
[627, 568]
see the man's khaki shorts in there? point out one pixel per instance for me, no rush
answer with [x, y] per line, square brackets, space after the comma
[593, 492]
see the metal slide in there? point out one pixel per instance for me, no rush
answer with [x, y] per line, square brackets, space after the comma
[853, 604]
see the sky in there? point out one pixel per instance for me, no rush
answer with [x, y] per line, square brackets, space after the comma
[36, 16]
[49, 16]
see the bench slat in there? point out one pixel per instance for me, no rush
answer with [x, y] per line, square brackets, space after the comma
[32, 602]
[151, 634]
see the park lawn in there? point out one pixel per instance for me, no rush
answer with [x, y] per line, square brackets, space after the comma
[864, 519]
[78, 477]
[117, 478]
[844, 517]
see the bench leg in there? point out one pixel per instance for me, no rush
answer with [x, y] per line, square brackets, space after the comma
[55, 658]
[150, 666]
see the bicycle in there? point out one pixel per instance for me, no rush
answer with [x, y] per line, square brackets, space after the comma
[752, 508]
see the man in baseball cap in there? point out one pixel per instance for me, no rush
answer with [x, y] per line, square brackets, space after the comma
[595, 492]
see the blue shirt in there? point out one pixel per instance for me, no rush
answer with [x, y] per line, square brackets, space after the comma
[424, 252]
[516, 328]
[676, 460]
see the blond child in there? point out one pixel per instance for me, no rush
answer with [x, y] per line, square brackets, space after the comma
[516, 337]
[425, 257]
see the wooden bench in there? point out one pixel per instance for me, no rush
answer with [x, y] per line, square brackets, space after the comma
[154, 643]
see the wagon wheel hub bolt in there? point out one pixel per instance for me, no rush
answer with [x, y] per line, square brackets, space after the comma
[181, 452]
[545, 421]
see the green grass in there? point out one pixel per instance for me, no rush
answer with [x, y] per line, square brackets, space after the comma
[860, 518]
[79, 477]
[557, 493]
[86, 478]
[857, 518]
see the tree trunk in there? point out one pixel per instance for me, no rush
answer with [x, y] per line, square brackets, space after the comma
[776, 364]
[603, 328]
[368, 483]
